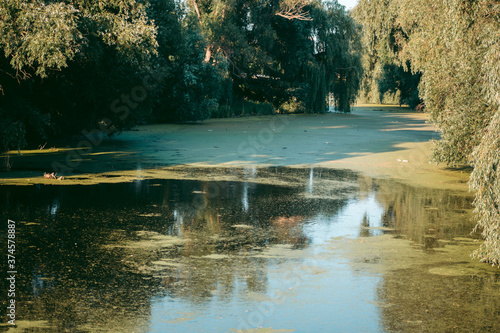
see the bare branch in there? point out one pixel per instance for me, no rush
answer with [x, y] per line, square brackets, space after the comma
[195, 5]
[294, 10]
[236, 70]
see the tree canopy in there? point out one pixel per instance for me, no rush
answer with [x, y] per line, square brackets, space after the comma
[387, 78]
[454, 46]
[64, 62]
[72, 65]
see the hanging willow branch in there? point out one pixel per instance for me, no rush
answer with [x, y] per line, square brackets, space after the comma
[294, 10]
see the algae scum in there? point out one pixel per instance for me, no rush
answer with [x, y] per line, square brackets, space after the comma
[330, 251]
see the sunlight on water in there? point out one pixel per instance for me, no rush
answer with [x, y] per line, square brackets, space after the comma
[330, 251]
[353, 220]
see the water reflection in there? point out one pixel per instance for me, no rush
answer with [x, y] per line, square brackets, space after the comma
[193, 255]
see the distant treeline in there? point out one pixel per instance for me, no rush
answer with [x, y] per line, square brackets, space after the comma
[75, 65]
[452, 48]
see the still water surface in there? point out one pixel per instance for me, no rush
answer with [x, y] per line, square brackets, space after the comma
[331, 251]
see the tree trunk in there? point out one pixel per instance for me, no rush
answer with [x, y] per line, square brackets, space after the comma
[208, 53]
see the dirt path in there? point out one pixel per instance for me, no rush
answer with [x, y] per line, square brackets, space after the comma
[376, 140]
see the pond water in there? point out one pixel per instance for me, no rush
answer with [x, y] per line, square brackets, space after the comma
[277, 250]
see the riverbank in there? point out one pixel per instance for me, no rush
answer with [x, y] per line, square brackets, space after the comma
[379, 141]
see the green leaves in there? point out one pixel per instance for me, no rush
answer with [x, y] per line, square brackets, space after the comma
[38, 36]
[485, 181]
[41, 37]
[455, 45]
[67, 65]
[283, 59]
[387, 76]
[66, 61]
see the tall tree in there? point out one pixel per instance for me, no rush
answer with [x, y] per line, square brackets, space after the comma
[64, 62]
[454, 44]
[75, 64]
[190, 87]
[386, 76]
[289, 53]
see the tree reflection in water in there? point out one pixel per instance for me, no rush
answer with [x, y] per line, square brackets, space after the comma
[97, 257]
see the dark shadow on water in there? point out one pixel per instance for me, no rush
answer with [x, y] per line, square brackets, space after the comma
[97, 258]
[263, 140]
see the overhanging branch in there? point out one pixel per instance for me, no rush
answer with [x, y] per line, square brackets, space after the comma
[294, 10]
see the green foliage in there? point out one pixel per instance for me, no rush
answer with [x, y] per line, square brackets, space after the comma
[190, 88]
[485, 181]
[65, 62]
[38, 35]
[257, 108]
[446, 45]
[395, 79]
[386, 75]
[72, 65]
[46, 37]
[12, 134]
[339, 41]
[283, 61]
[293, 105]
[454, 45]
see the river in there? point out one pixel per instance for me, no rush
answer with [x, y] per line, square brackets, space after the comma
[276, 250]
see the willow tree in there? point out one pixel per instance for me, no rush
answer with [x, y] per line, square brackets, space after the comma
[290, 53]
[190, 87]
[386, 76]
[63, 63]
[338, 48]
[454, 44]
[447, 43]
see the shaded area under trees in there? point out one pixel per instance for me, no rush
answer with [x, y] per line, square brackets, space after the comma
[71, 65]
[386, 78]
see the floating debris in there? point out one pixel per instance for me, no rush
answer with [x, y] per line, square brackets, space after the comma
[242, 226]
[52, 176]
